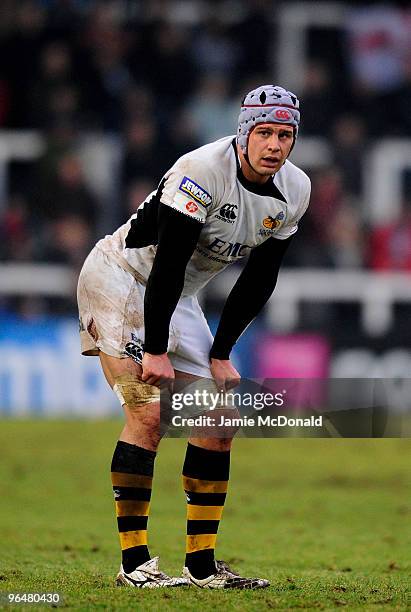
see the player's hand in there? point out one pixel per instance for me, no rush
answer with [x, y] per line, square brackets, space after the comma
[224, 373]
[157, 370]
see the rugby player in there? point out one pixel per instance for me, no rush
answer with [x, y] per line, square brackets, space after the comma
[234, 198]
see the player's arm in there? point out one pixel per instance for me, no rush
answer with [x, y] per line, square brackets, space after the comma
[177, 238]
[253, 288]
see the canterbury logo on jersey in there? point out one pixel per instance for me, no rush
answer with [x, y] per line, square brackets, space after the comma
[198, 193]
[227, 213]
[134, 349]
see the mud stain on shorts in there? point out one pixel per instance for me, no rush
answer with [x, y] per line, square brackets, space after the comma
[92, 330]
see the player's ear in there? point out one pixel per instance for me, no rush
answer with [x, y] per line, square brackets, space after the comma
[292, 146]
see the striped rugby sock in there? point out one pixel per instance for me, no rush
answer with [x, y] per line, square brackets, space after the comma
[131, 475]
[205, 481]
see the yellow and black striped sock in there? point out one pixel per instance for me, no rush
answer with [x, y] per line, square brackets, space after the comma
[205, 481]
[132, 470]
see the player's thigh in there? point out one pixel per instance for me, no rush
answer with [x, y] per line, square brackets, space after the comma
[111, 309]
[114, 367]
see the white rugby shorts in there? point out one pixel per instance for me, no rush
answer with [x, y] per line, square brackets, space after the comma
[111, 309]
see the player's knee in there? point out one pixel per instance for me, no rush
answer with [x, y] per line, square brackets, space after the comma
[218, 427]
[229, 424]
[141, 404]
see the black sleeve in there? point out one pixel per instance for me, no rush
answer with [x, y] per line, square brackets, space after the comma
[253, 288]
[177, 238]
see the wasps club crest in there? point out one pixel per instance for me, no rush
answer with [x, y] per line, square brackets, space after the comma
[273, 223]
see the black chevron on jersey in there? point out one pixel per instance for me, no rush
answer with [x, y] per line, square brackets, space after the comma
[144, 229]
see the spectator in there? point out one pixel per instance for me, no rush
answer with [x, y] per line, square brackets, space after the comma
[136, 194]
[54, 96]
[399, 101]
[68, 241]
[378, 42]
[323, 243]
[139, 102]
[20, 50]
[318, 101]
[346, 239]
[210, 111]
[169, 67]
[17, 241]
[256, 34]
[349, 146]
[66, 191]
[180, 136]
[212, 49]
[145, 155]
[104, 69]
[390, 244]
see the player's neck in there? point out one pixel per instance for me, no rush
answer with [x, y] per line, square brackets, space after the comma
[248, 171]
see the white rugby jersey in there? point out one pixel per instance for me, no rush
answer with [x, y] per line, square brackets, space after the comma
[207, 184]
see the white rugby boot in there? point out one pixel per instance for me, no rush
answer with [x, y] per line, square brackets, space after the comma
[148, 576]
[225, 578]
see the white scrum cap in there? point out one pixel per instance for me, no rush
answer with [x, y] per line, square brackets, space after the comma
[267, 104]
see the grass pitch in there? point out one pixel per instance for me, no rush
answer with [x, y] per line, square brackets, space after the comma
[327, 521]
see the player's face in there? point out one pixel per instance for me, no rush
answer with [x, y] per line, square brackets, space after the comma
[269, 145]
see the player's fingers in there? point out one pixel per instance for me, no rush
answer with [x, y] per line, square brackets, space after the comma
[151, 379]
[146, 374]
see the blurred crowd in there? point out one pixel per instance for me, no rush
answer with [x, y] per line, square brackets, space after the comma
[167, 76]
